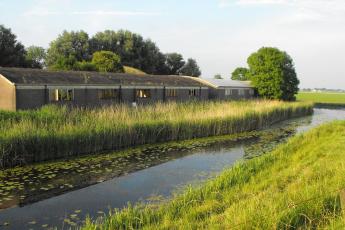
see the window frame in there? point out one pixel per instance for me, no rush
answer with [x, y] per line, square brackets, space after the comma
[61, 95]
[194, 92]
[113, 94]
[143, 93]
[171, 92]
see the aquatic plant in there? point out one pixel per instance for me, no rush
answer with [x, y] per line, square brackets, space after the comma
[57, 132]
[300, 185]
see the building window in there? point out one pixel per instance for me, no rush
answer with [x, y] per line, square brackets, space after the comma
[105, 94]
[251, 92]
[194, 92]
[228, 92]
[241, 92]
[143, 93]
[171, 92]
[61, 95]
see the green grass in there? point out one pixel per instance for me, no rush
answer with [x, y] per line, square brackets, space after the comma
[131, 70]
[329, 98]
[57, 132]
[296, 186]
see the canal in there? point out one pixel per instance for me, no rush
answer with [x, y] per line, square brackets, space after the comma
[63, 193]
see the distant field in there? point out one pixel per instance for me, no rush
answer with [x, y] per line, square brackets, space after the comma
[324, 97]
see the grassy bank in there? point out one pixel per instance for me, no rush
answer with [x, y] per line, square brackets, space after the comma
[322, 98]
[56, 132]
[295, 186]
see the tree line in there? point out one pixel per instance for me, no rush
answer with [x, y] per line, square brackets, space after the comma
[106, 51]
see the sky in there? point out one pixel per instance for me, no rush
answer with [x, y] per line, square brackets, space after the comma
[219, 34]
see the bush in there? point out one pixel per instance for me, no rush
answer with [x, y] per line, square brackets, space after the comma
[106, 61]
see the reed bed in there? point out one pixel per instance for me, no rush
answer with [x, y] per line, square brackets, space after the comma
[54, 132]
[300, 185]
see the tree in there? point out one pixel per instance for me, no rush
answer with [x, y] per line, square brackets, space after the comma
[273, 74]
[35, 57]
[133, 49]
[12, 52]
[240, 74]
[191, 68]
[174, 63]
[68, 49]
[218, 76]
[107, 61]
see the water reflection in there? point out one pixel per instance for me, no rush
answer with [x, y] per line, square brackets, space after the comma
[137, 175]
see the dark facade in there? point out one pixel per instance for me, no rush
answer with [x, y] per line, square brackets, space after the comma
[31, 89]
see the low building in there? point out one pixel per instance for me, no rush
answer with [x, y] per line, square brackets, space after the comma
[224, 89]
[30, 88]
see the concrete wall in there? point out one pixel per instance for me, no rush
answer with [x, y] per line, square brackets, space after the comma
[31, 98]
[219, 94]
[7, 95]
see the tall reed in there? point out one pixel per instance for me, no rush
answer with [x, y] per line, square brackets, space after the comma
[56, 132]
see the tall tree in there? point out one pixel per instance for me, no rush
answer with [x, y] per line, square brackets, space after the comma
[174, 63]
[107, 61]
[273, 74]
[240, 74]
[35, 57]
[191, 68]
[68, 49]
[12, 52]
[218, 76]
[133, 49]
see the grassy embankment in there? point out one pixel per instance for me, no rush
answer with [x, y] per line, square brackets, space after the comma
[57, 132]
[323, 98]
[131, 70]
[296, 186]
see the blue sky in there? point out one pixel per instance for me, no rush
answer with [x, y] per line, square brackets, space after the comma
[220, 34]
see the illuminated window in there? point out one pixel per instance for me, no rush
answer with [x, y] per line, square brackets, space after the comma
[61, 95]
[171, 93]
[194, 92]
[143, 93]
[105, 94]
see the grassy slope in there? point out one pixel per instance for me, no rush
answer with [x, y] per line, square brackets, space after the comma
[294, 186]
[131, 70]
[54, 132]
[332, 98]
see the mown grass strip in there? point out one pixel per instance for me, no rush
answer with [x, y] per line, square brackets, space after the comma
[295, 186]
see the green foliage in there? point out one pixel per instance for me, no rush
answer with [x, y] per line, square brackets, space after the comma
[218, 76]
[107, 61]
[273, 73]
[85, 66]
[191, 69]
[56, 132]
[296, 186]
[240, 74]
[68, 49]
[35, 57]
[133, 49]
[174, 63]
[71, 48]
[12, 52]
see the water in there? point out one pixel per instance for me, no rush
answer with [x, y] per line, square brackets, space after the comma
[62, 194]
